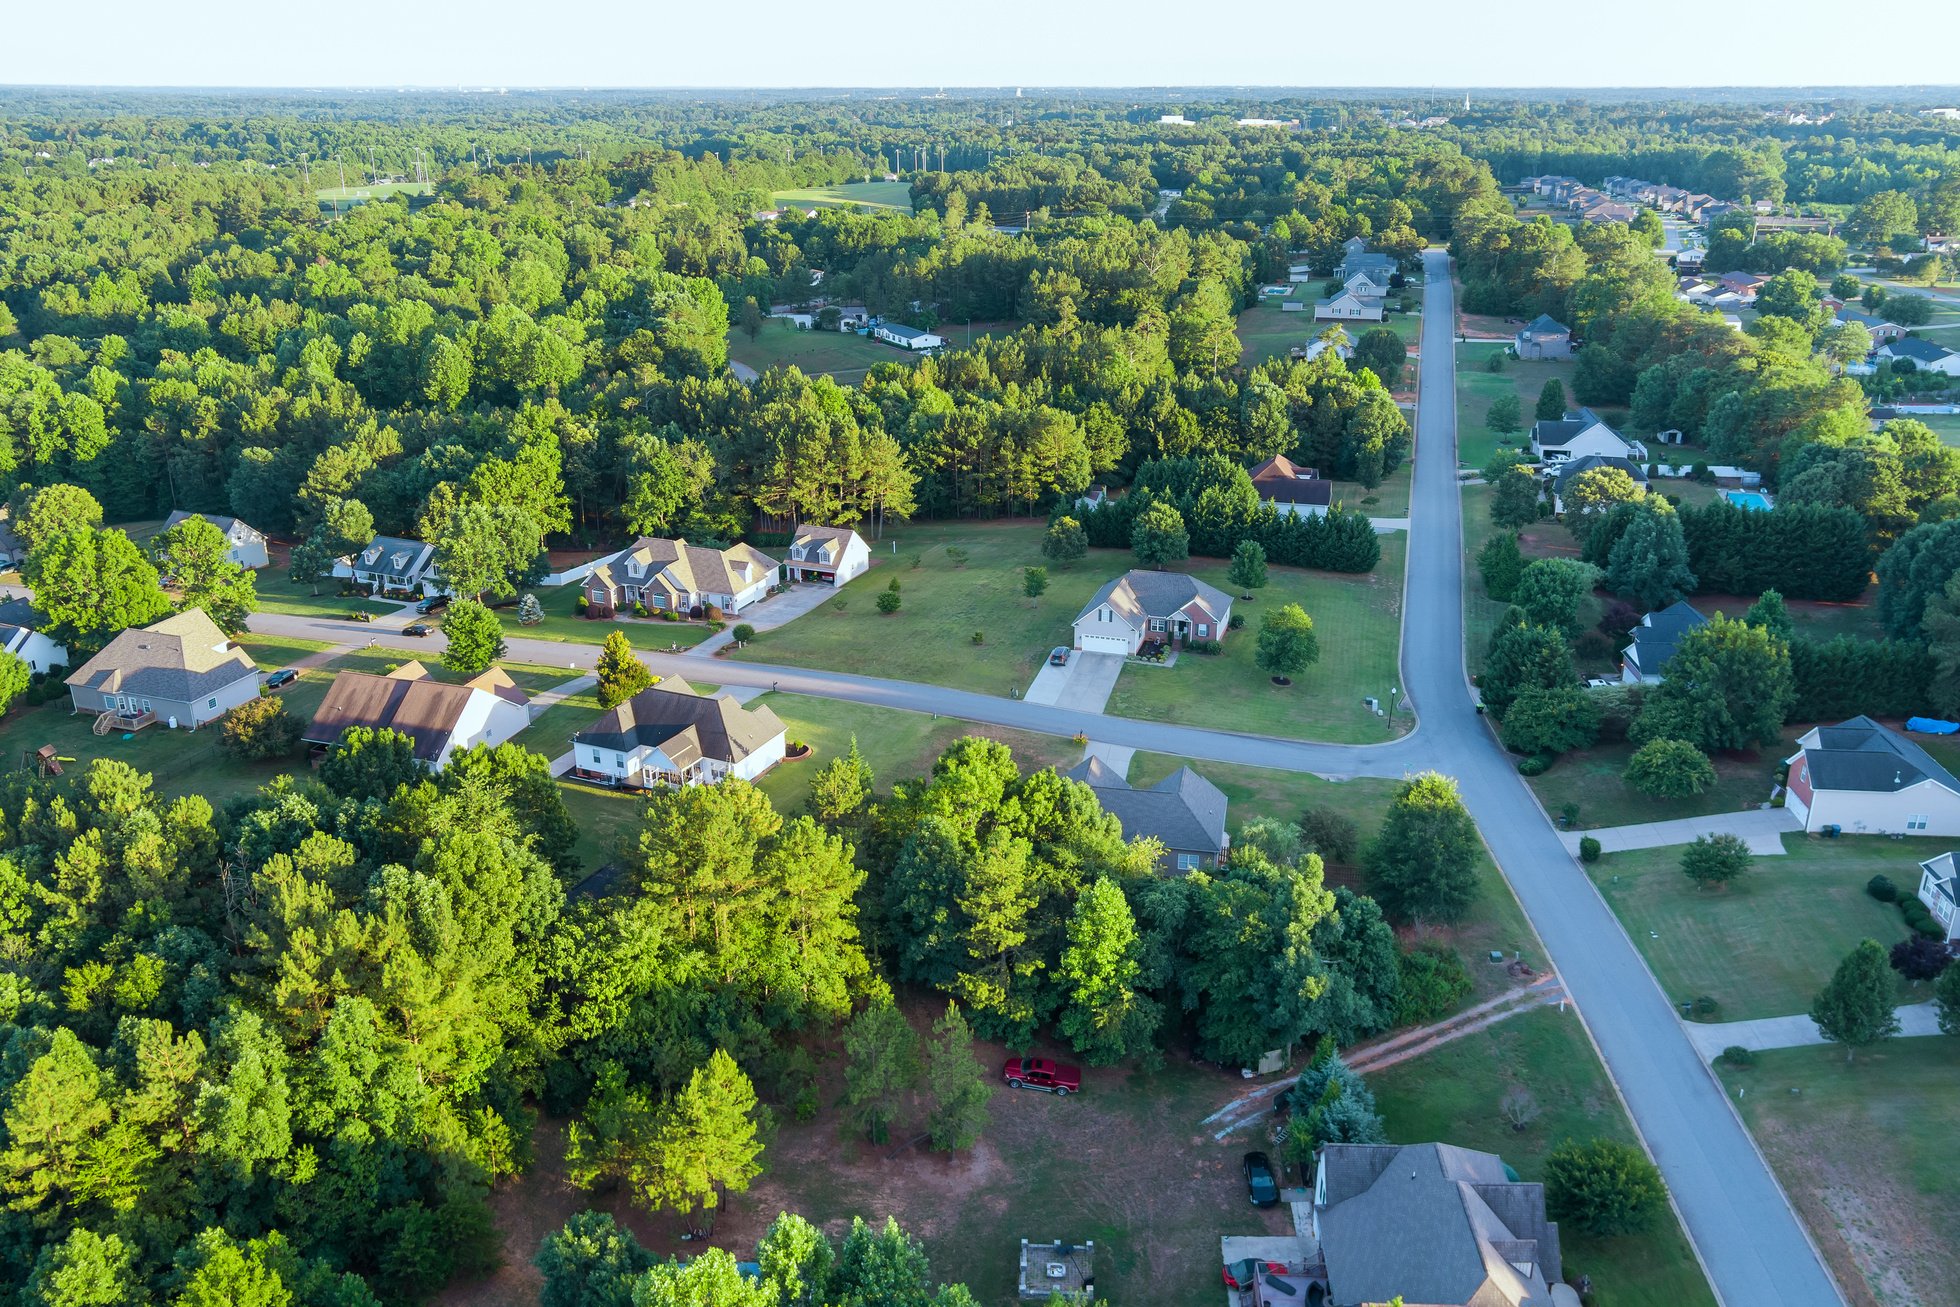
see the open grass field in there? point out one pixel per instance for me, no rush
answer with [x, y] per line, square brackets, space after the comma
[1358, 622]
[271, 652]
[930, 638]
[1945, 425]
[1764, 946]
[1453, 1094]
[1476, 388]
[845, 356]
[1267, 331]
[278, 593]
[1590, 778]
[381, 191]
[1870, 1154]
[1389, 499]
[562, 622]
[874, 195]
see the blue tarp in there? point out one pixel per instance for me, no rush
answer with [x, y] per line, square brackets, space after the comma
[1931, 726]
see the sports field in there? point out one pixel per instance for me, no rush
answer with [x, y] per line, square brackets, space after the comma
[874, 195]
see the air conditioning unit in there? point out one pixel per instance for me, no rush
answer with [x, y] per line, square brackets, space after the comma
[1058, 1270]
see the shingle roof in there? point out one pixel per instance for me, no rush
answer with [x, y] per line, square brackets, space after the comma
[1281, 479]
[902, 332]
[1860, 754]
[1920, 351]
[180, 658]
[20, 612]
[392, 555]
[1141, 594]
[681, 568]
[1586, 462]
[1184, 810]
[1659, 634]
[1545, 325]
[834, 538]
[406, 700]
[1866, 319]
[698, 726]
[1435, 1224]
[231, 526]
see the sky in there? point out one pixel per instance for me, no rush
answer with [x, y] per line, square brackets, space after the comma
[1035, 43]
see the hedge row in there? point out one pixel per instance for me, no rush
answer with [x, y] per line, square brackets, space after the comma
[1339, 541]
[1803, 551]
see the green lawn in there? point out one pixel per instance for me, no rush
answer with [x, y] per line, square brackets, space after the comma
[1267, 331]
[930, 638]
[1945, 425]
[1480, 612]
[271, 652]
[1476, 388]
[1358, 622]
[876, 195]
[1453, 1094]
[843, 355]
[604, 817]
[1389, 499]
[1766, 945]
[1590, 778]
[562, 623]
[279, 594]
[1870, 1155]
[357, 192]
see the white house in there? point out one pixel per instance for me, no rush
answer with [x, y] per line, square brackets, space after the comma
[390, 563]
[1366, 286]
[182, 670]
[832, 554]
[1655, 640]
[1300, 272]
[893, 333]
[1865, 779]
[1940, 894]
[1923, 354]
[20, 635]
[1167, 606]
[1578, 434]
[680, 577]
[443, 720]
[1348, 307]
[247, 541]
[670, 735]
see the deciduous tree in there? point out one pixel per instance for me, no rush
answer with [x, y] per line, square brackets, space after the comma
[1669, 769]
[1065, 542]
[1715, 860]
[1287, 643]
[1603, 1188]
[1248, 569]
[1422, 866]
[1855, 1008]
[476, 638]
[1159, 537]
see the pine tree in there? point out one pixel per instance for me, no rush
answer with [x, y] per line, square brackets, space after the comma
[1551, 401]
[707, 1138]
[881, 1067]
[956, 1084]
[621, 674]
[1500, 564]
[841, 787]
[529, 611]
[1855, 1008]
[1649, 562]
[1248, 569]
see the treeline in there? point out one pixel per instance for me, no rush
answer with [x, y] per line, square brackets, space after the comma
[1800, 551]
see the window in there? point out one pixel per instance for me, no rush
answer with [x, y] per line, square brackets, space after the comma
[1187, 862]
[597, 756]
[208, 703]
[1203, 630]
[1156, 623]
[1916, 821]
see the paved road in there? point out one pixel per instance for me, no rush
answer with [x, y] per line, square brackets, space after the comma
[1752, 1243]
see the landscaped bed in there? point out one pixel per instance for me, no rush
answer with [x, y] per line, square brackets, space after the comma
[1764, 946]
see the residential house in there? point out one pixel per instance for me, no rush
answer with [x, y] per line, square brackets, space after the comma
[893, 333]
[1578, 433]
[1562, 474]
[1349, 307]
[1940, 894]
[20, 635]
[671, 735]
[1142, 604]
[1379, 267]
[679, 577]
[1544, 337]
[1743, 284]
[390, 563]
[1866, 779]
[1184, 812]
[182, 670]
[831, 554]
[1880, 330]
[1432, 1224]
[247, 541]
[1608, 211]
[1691, 257]
[442, 719]
[1655, 640]
[1366, 286]
[1922, 353]
[1290, 488]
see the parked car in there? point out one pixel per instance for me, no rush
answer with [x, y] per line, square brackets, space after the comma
[1054, 1078]
[1260, 1181]
[433, 604]
[419, 628]
[1245, 1272]
[1058, 656]
[284, 676]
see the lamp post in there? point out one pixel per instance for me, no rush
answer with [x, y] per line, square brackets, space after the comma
[1393, 692]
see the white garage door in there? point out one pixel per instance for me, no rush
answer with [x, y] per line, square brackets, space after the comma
[1114, 644]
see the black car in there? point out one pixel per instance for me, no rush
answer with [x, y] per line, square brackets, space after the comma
[433, 604]
[284, 676]
[1260, 1181]
[419, 628]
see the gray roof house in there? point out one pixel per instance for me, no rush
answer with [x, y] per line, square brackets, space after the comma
[1141, 604]
[1184, 811]
[1924, 353]
[1544, 337]
[1435, 1224]
[1379, 267]
[390, 563]
[247, 541]
[1939, 890]
[670, 735]
[1655, 640]
[1563, 473]
[182, 670]
[1866, 779]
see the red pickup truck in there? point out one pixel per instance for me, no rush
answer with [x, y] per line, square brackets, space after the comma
[1040, 1073]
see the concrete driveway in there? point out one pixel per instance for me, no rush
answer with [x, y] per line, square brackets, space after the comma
[771, 613]
[1083, 684]
[1762, 829]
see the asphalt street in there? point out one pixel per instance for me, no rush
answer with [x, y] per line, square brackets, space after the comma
[1753, 1245]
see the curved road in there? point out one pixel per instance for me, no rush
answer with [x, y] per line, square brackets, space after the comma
[1751, 1242]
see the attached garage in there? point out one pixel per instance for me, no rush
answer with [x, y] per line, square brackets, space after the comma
[1112, 644]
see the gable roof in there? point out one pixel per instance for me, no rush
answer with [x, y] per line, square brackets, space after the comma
[1866, 319]
[1860, 754]
[834, 539]
[1545, 325]
[20, 612]
[1586, 462]
[684, 725]
[1915, 348]
[1141, 594]
[1282, 480]
[1184, 810]
[1576, 422]
[1367, 261]
[407, 700]
[234, 528]
[181, 658]
[1660, 633]
[681, 568]
[392, 555]
[1436, 1224]
[903, 332]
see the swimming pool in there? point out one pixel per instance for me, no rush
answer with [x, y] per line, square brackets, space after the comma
[1747, 498]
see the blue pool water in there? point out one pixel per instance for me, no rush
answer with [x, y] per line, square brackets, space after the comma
[1747, 498]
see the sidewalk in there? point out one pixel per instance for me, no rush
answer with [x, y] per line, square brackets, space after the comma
[1762, 829]
[1710, 1038]
[543, 699]
[771, 613]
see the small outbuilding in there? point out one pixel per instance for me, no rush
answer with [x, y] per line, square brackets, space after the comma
[1544, 337]
[1056, 1267]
